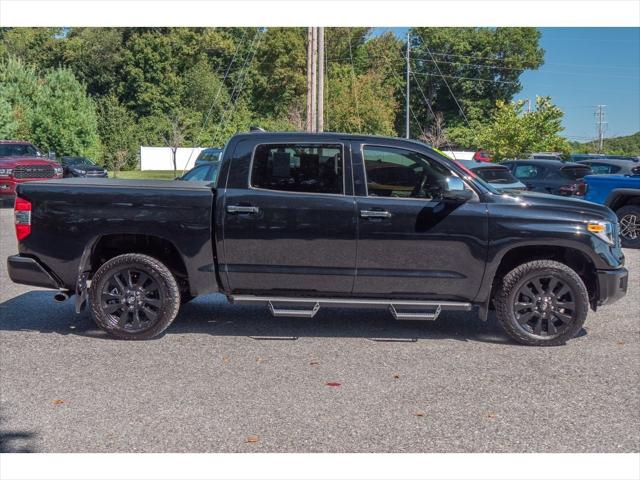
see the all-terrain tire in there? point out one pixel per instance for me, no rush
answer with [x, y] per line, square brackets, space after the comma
[524, 278]
[630, 213]
[145, 282]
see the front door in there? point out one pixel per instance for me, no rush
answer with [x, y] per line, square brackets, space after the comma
[293, 228]
[411, 242]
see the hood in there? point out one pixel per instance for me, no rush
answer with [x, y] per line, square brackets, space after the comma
[10, 162]
[563, 207]
[509, 186]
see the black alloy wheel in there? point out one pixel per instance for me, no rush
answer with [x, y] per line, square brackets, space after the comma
[542, 303]
[545, 306]
[134, 297]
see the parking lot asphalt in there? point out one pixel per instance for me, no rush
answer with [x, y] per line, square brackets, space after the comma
[233, 379]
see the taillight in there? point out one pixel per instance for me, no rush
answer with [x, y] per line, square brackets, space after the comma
[22, 211]
[582, 189]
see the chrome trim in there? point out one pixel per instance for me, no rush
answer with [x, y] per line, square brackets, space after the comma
[375, 214]
[242, 209]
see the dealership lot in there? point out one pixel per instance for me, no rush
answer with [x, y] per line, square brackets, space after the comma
[229, 378]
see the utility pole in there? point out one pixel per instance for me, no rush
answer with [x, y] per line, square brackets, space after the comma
[320, 115]
[600, 126]
[314, 78]
[406, 119]
[309, 119]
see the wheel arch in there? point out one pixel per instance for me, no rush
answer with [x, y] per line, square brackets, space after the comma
[571, 255]
[622, 197]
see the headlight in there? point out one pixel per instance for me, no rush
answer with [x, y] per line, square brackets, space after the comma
[602, 230]
[81, 172]
[57, 170]
[5, 172]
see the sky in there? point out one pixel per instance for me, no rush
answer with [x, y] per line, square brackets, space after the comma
[585, 67]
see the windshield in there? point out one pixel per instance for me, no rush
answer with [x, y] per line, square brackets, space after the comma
[76, 161]
[496, 175]
[19, 150]
[209, 155]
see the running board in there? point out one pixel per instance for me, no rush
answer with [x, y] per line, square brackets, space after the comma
[308, 307]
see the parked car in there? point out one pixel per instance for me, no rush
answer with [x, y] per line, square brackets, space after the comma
[621, 193]
[550, 176]
[82, 167]
[207, 172]
[208, 155]
[499, 176]
[577, 157]
[608, 165]
[22, 162]
[301, 221]
[482, 156]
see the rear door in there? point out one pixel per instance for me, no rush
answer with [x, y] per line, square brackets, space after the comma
[411, 242]
[289, 219]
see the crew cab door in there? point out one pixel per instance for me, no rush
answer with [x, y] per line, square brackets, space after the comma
[289, 219]
[411, 242]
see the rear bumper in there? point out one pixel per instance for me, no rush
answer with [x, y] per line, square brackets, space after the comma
[612, 285]
[28, 271]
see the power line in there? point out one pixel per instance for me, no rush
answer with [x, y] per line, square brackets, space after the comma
[466, 78]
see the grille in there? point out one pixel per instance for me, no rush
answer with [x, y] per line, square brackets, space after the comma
[33, 171]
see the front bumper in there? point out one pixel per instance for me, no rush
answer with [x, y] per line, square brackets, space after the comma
[28, 271]
[612, 285]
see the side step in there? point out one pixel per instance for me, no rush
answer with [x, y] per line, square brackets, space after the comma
[308, 307]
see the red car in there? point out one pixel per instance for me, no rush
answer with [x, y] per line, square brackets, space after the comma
[22, 162]
[482, 156]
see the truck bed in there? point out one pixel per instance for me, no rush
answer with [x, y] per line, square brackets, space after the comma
[71, 216]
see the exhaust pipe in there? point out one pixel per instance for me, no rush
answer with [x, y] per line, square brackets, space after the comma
[62, 295]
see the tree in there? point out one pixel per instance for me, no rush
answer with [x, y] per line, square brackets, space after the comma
[513, 132]
[472, 67]
[116, 127]
[8, 125]
[435, 135]
[360, 103]
[175, 136]
[64, 118]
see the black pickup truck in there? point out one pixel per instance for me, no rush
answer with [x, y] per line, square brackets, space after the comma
[297, 222]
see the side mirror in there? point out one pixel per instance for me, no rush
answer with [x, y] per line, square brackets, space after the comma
[456, 190]
[51, 155]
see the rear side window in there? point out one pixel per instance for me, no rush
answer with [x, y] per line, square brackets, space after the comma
[298, 168]
[603, 168]
[496, 175]
[574, 173]
[527, 171]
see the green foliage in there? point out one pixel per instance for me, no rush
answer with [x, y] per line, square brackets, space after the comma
[8, 125]
[360, 103]
[626, 145]
[116, 127]
[52, 111]
[64, 118]
[218, 81]
[513, 132]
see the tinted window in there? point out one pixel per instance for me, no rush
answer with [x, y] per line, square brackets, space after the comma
[527, 171]
[209, 155]
[393, 172]
[197, 174]
[574, 173]
[76, 161]
[496, 175]
[298, 168]
[600, 168]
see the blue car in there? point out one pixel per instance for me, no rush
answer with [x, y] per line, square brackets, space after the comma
[621, 193]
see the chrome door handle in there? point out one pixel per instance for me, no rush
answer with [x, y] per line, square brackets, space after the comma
[242, 209]
[375, 214]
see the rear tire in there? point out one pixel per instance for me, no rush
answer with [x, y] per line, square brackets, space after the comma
[134, 297]
[629, 219]
[542, 303]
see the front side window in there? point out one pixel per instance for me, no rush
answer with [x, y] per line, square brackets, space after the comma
[298, 168]
[394, 172]
[600, 168]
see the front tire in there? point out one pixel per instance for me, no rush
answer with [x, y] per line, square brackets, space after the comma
[134, 297]
[629, 219]
[542, 303]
